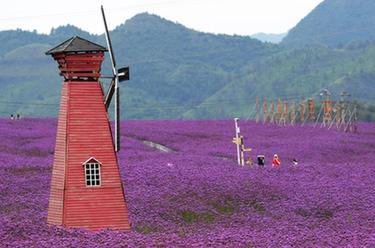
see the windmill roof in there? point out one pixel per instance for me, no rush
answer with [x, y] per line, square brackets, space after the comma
[76, 44]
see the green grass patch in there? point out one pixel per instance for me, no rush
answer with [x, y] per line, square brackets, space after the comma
[146, 229]
[258, 206]
[227, 206]
[190, 217]
[318, 213]
[207, 217]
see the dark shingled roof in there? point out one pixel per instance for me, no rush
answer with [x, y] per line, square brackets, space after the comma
[76, 44]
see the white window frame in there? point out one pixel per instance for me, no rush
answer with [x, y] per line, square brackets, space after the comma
[92, 174]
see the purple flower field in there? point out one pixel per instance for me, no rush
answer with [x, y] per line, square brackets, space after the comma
[196, 195]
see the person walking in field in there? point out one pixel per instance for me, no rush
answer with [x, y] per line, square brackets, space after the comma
[295, 162]
[276, 161]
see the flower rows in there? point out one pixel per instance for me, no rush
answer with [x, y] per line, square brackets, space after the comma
[196, 195]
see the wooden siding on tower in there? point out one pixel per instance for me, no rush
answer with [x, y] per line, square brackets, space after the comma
[84, 132]
[89, 135]
[79, 65]
[56, 199]
[96, 208]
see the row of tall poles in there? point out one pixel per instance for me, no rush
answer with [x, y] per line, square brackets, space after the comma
[342, 114]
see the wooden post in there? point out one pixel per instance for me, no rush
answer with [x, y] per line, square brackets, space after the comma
[242, 151]
[257, 117]
[265, 110]
[286, 111]
[338, 117]
[293, 113]
[355, 119]
[327, 112]
[272, 113]
[282, 112]
[311, 106]
[344, 112]
[351, 124]
[279, 110]
[302, 110]
[344, 108]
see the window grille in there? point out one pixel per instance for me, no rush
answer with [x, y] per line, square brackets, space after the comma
[92, 173]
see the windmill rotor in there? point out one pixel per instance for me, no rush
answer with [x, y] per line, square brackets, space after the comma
[118, 76]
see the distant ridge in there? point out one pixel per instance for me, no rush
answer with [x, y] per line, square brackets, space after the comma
[272, 38]
[335, 23]
[180, 73]
[171, 65]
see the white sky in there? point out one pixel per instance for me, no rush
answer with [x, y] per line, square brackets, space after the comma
[242, 17]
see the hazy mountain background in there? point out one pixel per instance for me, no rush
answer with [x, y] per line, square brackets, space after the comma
[177, 72]
[335, 23]
[273, 38]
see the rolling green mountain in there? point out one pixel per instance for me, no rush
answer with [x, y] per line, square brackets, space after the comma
[293, 73]
[335, 23]
[171, 66]
[177, 72]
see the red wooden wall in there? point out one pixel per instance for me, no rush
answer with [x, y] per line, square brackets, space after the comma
[56, 199]
[84, 132]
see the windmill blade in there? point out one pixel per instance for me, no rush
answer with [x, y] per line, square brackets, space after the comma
[113, 88]
[117, 116]
[109, 95]
[109, 44]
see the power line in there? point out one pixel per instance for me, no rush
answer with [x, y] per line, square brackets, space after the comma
[29, 103]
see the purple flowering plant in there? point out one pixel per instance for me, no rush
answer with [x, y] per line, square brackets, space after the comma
[195, 195]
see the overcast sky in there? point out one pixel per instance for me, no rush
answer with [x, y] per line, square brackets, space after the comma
[242, 17]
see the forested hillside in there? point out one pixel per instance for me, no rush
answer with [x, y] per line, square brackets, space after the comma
[171, 65]
[335, 23]
[177, 72]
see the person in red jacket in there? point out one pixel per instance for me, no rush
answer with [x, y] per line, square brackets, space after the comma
[276, 161]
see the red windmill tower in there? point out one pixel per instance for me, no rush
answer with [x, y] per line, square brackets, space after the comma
[86, 188]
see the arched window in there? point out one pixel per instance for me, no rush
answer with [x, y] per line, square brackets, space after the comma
[92, 172]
